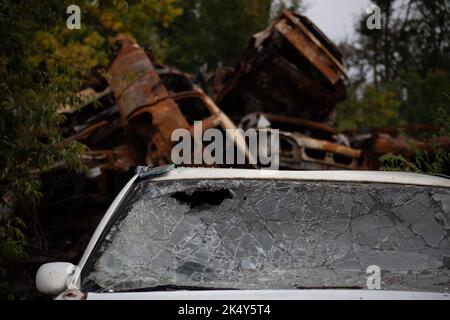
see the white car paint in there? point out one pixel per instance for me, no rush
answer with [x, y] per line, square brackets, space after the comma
[343, 176]
[239, 295]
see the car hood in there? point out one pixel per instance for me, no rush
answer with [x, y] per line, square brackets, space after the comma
[316, 294]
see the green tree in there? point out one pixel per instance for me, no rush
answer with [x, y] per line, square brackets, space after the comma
[410, 54]
[216, 32]
[425, 95]
[368, 108]
[423, 161]
[43, 65]
[93, 44]
[29, 138]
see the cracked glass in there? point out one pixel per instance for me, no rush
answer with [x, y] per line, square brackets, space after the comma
[271, 234]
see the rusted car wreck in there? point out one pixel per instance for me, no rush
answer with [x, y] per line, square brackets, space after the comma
[137, 114]
[291, 69]
[290, 78]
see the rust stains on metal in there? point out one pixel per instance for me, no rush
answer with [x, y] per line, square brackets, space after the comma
[148, 112]
[308, 145]
[291, 68]
[312, 43]
[303, 153]
[291, 76]
[134, 118]
[134, 80]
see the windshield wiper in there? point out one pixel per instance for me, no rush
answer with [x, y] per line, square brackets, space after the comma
[173, 287]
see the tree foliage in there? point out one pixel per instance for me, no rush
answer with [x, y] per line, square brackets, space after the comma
[414, 35]
[43, 65]
[368, 108]
[410, 55]
[422, 161]
[216, 32]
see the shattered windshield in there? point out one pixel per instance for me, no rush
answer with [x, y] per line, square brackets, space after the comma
[271, 234]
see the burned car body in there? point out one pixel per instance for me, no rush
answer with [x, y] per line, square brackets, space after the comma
[294, 75]
[378, 143]
[301, 152]
[266, 234]
[131, 122]
[291, 68]
[308, 145]
[154, 101]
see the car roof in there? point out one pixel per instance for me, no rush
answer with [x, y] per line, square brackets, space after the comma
[338, 176]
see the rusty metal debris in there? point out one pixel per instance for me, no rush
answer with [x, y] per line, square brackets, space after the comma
[303, 153]
[291, 68]
[130, 123]
[376, 144]
[308, 145]
[291, 76]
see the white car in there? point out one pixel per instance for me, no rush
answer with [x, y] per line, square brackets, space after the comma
[195, 233]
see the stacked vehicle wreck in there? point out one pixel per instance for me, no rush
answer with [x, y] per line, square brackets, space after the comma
[290, 78]
[137, 113]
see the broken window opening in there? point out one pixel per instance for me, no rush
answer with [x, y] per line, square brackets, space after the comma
[193, 109]
[200, 197]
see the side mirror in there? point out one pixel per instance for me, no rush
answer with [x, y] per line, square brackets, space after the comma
[51, 278]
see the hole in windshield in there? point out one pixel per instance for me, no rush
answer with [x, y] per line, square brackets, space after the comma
[200, 197]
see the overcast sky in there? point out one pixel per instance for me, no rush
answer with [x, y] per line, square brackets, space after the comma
[335, 17]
